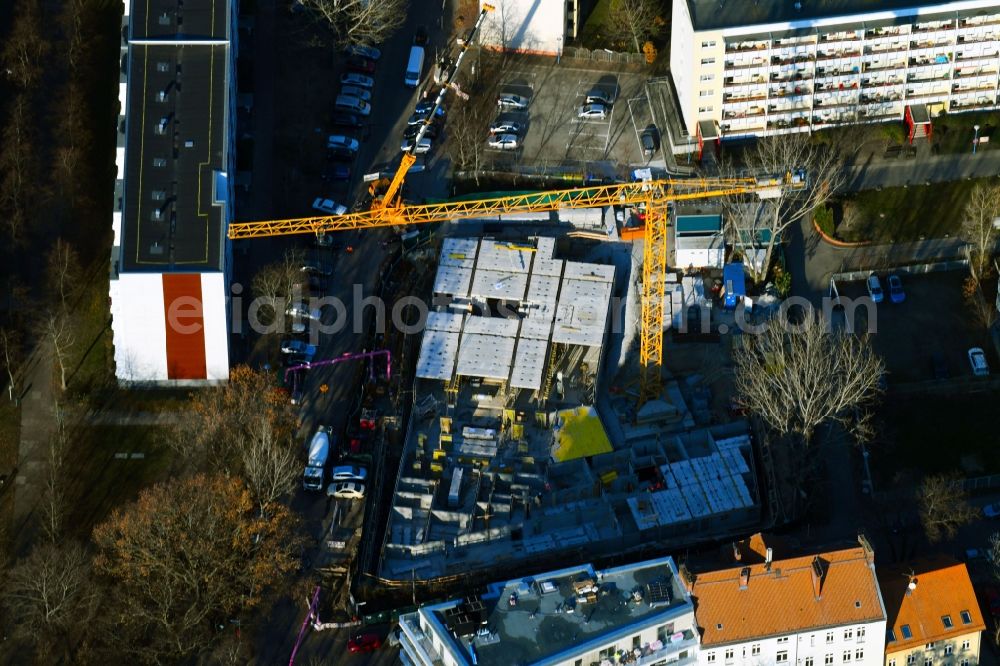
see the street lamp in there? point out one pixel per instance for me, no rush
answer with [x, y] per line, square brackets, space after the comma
[975, 139]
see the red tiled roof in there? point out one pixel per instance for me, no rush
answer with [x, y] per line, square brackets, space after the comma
[782, 600]
[942, 588]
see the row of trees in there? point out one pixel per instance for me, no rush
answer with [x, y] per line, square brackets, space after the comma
[176, 571]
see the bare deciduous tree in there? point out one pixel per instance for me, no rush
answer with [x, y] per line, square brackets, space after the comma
[54, 494]
[944, 506]
[25, 48]
[275, 284]
[58, 333]
[635, 21]
[978, 229]
[50, 595]
[776, 156]
[11, 353]
[359, 22]
[797, 379]
[18, 167]
[270, 463]
[62, 272]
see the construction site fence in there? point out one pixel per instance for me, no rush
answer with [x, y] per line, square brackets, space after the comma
[576, 53]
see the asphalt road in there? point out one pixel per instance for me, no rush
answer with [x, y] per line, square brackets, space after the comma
[391, 104]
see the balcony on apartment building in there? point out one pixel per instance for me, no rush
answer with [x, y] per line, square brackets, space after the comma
[834, 72]
[835, 87]
[745, 47]
[791, 60]
[879, 114]
[979, 38]
[787, 77]
[976, 103]
[986, 86]
[882, 82]
[731, 81]
[835, 102]
[790, 91]
[833, 119]
[968, 56]
[777, 110]
[787, 123]
[736, 114]
[884, 64]
[927, 78]
[979, 21]
[888, 47]
[746, 64]
[928, 61]
[970, 72]
[737, 98]
[925, 93]
[833, 55]
[928, 28]
[835, 37]
[886, 33]
[880, 98]
[924, 44]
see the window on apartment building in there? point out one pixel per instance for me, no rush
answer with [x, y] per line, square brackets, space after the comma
[946, 621]
[965, 644]
[705, 109]
[729, 654]
[755, 649]
[892, 662]
[861, 634]
[859, 654]
[708, 61]
[608, 652]
[708, 45]
[847, 657]
[911, 659]
[707, 77]
[578, 662]
[783, 639]
[905, 630]
[808, 661]
[781, 657]
[829, 637]
[664, 631]
[706, 93]
[710, 657]
[966, 617]
[964, 662]
[828, 659]
[949, 648]
[890, 636]
[928, 661]
[929, 646]
[848, 634]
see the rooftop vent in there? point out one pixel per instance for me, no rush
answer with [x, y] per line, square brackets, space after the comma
[161, 127]
[159, 162]
[164, 19]
[163, 67]
[159, 195]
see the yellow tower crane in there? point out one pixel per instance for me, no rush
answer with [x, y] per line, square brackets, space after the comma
[654, 195]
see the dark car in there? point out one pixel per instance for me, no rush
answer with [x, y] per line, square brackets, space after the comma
[344, 119]
[337, 173]
[364, 643]
[360, 64]
[420, 37]
[650, 140]
[412, 130]
[425, 106]
[339, 154]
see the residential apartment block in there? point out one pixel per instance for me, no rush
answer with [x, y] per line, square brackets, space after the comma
[638, 614]
[744, 68]
[815, 610]
[933, 614]
[171, 260]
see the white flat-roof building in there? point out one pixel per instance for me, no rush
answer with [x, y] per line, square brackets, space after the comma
[638, 614]
[538, 27]
[763, 68]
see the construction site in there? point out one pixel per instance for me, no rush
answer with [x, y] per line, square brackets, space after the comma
[516, 450]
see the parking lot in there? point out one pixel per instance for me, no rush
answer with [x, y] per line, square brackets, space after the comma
[554, 134]
[932, 320]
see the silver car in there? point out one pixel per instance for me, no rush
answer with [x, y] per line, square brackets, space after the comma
[593, 111]
[504, 127]
[512, 102]
[598, 96]
[503, 141]
[346, 490]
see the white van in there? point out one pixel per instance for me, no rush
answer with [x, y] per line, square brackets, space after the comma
[352, 104]
[414, 67]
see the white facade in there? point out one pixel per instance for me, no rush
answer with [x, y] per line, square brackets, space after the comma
[538, 27]
[857, 645]
[802, 75]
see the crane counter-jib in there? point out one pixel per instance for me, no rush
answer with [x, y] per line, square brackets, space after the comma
[660, 191]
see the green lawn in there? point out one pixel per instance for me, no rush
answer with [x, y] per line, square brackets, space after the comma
[904, 214]
[932, 433]
[97, 482]
[953, 133]
[590, 35]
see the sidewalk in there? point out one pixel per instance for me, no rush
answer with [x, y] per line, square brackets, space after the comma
[877, 171]
[37, 428]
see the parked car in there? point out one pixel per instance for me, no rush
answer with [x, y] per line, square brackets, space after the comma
[425, 106]
[650, 141]
[339, 154]
[356, 79]
[506, 127]
[344, 142]
[992, 510]
[356, 63]
[317, 268]
[352, 104]
[337, 173]
[412, 130]
[420, 36]
[516, 102]
[977, 359]
[329, 206]
[598, 96]
[302, 310]
[874, 288]
[369, 52]
[297, 347]
[978, 554]
[346, 490]
[896, 293]
[423, 147]
[344, 119]
[939, 366]
[592, 111]
[503, 141]
[360, 93]
[364, 643]
[349, 473]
